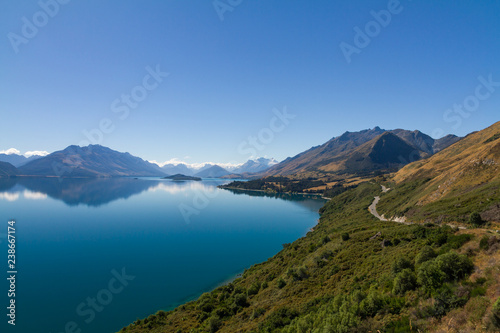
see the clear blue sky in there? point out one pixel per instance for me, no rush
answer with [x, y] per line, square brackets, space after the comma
[226, 76]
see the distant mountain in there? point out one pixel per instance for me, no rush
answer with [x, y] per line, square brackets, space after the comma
[7, 169]
[213, 172]
[354, 152]
[90, 161]
[250, 167]
[385, 152]
[425, 143]
[173, 169]
[17, 160]
[254, 166]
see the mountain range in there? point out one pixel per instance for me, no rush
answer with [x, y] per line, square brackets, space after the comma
[362, 152]
[90, 161]
[251, 166]
[355, 153]
[18, 160]
[98, 161]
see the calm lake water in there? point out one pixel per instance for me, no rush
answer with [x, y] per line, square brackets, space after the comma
[99, 254]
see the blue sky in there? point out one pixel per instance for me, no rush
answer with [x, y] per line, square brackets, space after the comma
[227, 79]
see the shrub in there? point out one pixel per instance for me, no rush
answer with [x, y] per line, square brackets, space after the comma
[371, 304]
[254, 289]
[404, 281]
[302, 273]
[400, 264]
[426, 254]
[430, 276]
[326, 239]
[484, 243]
[258, 312]
[345, 237]
[281, 283]
[456, 241]
[205, 303]
[278, 319]
[240, 300]
[475, 219]
[454, 266]
[214, 324]
[446, 299]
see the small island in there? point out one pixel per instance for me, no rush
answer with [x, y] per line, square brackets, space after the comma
[180, 177]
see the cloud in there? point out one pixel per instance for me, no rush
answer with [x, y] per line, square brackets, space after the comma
[14, 151]
[10, 151]
[196, 166]
[36, 153]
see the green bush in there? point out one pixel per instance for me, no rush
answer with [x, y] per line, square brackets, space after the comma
[484, 243]
[258, 312]
[426, 254]
[475, 219]
[400, 264]
[454, 266]
[281, 283]
[278, 319]
[345, 237]
[456, 241]
[214, 323]
[404, 281]
[430, 276]
[254, 289]
[326, 239]
[240, 300]
[371, 304]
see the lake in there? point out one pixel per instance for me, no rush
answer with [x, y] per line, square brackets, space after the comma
[96, 254]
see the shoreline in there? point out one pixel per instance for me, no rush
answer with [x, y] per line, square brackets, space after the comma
[277, 193]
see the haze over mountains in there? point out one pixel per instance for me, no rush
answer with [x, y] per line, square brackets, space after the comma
[251, 166]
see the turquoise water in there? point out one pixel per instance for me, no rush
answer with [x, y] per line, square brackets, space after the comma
[167, 242]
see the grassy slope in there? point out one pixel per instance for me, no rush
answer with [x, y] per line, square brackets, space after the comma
[321, 282]
[450, 185]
